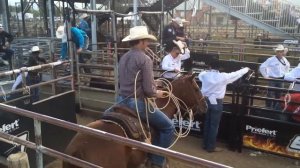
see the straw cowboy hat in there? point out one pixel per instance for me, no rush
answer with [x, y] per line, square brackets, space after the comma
[180, 45]
[60, 32]
[279, 48]
[35, 49]
[178, 20]
[138, 33]
[84, 15]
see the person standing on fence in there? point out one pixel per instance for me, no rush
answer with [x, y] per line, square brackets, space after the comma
[275, 67]
[172, 61]
[32, 77]
[79, 37]
[4, 47]
[214, 85]
[135, 65]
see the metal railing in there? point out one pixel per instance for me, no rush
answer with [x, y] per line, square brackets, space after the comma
[40, 149]
[280, 14]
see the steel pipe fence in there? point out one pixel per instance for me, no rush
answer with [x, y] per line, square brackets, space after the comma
[245, 51]
[101, 134]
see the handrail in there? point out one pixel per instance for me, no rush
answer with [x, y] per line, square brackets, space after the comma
[107, 136]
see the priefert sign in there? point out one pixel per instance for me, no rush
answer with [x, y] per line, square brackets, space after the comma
[185, 123]
[10, 127]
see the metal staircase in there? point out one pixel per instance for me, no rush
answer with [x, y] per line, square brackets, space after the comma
[276, 16]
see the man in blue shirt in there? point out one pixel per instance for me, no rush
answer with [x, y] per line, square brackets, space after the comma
[79, 37]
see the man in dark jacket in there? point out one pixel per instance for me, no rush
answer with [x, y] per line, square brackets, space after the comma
[4, 46]
[172, 32]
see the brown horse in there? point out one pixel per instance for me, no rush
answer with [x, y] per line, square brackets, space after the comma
[112, 155]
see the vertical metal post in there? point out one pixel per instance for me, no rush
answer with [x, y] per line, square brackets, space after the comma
[135, 6]
[70, 44]
[94, 26]
[23, 17]
[114, 32]
[51, 17]
[185, 9]
[45, 16]
[161, 25]
[209, 20]
[38, 141]
[5, 14]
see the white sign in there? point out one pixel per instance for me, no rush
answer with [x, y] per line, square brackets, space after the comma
[294, 145]
[261, 131]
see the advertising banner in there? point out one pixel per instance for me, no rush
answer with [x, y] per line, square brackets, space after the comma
[272, 136]
[54, 137]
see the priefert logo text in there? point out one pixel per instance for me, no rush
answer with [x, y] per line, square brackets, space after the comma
[262, 131]
[10, 127]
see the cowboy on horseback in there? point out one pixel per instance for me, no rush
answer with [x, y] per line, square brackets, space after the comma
[136, 77]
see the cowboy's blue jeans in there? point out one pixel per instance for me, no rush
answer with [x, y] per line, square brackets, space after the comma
[211, 124]
[159, 121]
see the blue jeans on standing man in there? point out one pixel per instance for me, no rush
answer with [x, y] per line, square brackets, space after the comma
[159, 121]
[211, 124]
[274, 94]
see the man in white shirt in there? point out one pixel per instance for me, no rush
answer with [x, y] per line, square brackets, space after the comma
[294, 76]
[172, 61]
[213, 88]
[275, 67]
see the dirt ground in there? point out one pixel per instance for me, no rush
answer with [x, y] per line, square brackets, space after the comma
[192, 146]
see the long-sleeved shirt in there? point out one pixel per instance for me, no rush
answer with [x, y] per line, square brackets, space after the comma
[170, 63]
[18, 81]
[3, 36]
[78, 37]
[294, 76]
[274, 68]
[130, 63]
[214, 83]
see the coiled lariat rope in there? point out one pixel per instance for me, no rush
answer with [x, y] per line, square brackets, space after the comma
[151, 106]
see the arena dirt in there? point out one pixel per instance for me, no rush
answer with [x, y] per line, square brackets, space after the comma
[192, 146]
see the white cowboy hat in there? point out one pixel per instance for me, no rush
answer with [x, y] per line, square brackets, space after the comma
[178, 20]
[138, 33]
[60, 32]
[84, 15]
[180, 45]
[35, 49]
[279, 48]
[1, 26]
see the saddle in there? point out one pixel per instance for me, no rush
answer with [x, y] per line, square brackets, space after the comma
[128, 120]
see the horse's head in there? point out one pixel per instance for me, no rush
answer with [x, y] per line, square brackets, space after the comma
[186, 88]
